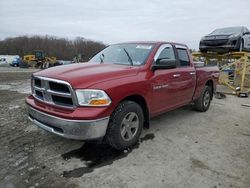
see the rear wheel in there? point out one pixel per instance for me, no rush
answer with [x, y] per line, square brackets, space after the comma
[125, 125]
[203, 102]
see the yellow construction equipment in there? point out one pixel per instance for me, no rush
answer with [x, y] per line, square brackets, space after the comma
[234, 69]
[38, 60]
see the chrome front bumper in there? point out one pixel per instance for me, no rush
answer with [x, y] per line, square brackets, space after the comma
[73, 129]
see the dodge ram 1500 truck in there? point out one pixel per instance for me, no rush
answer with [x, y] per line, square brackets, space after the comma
[113, 96]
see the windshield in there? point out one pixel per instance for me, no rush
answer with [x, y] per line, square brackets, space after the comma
[227, 30]
[124, 54]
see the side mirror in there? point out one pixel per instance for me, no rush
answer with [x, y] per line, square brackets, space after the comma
[164, 64]
[246, 33]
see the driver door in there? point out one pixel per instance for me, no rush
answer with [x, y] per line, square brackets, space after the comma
[164, 83]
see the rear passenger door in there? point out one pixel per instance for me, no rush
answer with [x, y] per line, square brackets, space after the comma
[186, 75]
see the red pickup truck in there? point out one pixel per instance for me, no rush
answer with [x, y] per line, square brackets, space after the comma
[114, 95]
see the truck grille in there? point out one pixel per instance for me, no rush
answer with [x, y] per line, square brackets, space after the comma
[52, 91]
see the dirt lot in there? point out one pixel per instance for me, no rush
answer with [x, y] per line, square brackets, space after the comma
[183, 148]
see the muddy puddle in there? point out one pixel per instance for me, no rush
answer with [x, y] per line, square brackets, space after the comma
[96, 156]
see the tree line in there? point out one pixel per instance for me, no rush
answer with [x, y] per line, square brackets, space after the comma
[61, 48]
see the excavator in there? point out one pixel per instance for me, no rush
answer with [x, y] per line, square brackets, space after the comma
[37, 60]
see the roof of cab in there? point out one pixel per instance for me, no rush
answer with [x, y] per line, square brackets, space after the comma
[153, 43]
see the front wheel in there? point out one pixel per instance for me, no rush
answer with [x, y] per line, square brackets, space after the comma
[203, 102]
[125, 125]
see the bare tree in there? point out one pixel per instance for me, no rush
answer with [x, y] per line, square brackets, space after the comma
[61, 48]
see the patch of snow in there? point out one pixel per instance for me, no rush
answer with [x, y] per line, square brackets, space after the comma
[20, 87]
[13, 107]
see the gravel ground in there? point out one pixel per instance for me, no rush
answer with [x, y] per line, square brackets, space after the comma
[183, 148]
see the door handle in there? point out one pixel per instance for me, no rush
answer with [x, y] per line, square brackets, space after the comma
[192, 73]
[176, 75]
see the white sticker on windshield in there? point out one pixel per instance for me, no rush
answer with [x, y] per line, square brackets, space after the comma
[144, 47]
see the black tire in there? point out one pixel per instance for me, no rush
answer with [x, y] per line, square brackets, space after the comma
[203, 102]
[116, 125]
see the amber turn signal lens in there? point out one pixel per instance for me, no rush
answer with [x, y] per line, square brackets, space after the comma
[97, 102]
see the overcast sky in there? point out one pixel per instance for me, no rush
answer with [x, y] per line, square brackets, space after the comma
[112, 21]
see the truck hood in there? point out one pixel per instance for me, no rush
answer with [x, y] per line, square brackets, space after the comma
[84, 75]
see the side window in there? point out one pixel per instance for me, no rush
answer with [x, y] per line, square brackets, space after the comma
[167, 53]
[183, 57]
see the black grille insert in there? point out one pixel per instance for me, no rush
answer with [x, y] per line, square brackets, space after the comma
[62, 100]
[58, 87]
[215, 42]
[39, 94]
[38, 82]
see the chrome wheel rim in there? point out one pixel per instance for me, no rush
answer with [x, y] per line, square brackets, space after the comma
[129, 126]
[206, 99]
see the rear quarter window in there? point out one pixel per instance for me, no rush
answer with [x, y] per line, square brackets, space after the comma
[183, 57]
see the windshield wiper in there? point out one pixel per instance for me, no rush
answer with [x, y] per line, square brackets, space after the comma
[129, 57]
[102, 58]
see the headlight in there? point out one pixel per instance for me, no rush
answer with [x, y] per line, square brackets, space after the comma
[92, 97]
